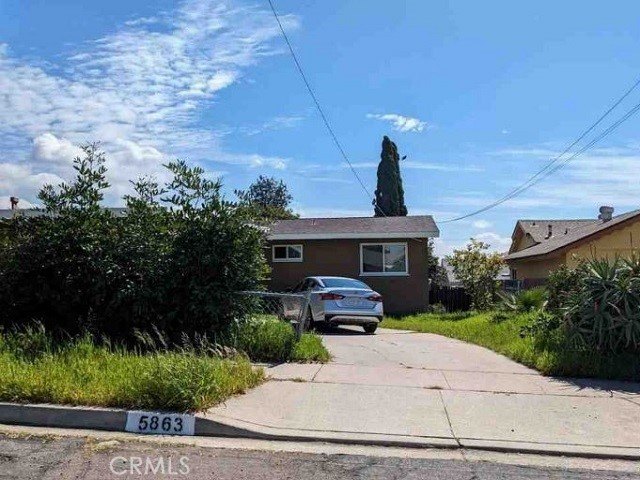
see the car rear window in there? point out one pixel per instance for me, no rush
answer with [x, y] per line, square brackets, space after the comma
[343, 283]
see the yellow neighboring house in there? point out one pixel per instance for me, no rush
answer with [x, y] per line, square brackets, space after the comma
[540, 246]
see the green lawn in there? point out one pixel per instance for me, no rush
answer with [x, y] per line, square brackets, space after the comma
[552, 358]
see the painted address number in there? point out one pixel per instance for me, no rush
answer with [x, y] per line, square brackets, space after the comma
[160, 423]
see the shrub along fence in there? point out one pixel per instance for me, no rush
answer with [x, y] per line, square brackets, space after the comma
[291, 308]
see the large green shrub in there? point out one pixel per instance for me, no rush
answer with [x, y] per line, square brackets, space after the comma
[174, 261]
[477, 269]
[603, 312]
[560, 284]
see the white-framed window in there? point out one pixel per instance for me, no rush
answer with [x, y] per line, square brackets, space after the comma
[286, 253]
[377, 259]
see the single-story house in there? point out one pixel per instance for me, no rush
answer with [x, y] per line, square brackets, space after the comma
[540, 246]
[387, 253]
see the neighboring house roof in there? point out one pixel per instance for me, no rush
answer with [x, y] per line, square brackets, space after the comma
[34, 212]
[560, 240]
[420, 226]
[539, 229]
[503, 274]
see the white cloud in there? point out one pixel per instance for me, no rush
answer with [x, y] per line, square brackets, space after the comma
[400, 123]
[360, 165]
[482, 224]
[138, 91]
[417, 165]
[329, 180]
[442, 247]
[16, 178]
[313, 212]
[5, 203]
[525, 151]
[441, 167]
[255, 160]
[496, 242]
[276, 123]
[49, 148]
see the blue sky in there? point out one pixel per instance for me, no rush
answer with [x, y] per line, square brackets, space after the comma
[478, 95]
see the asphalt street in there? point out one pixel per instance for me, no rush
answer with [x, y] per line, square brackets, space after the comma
[28, 457]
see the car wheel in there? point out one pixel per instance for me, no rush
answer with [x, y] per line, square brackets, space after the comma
[370, 327]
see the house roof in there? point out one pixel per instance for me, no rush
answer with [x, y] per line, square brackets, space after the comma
[560, 240]
[419, 226]
[539, 229]
[34, 212]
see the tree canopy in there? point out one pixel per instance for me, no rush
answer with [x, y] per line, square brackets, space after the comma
[268, 198]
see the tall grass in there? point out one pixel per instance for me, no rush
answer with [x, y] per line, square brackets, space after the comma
[270, 340]
[80, 372]
[550, 357]
[192, 376]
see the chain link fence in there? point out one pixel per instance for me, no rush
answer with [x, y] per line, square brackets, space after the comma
[287, 307]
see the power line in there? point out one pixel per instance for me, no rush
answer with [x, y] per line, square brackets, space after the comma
[549, 168]
[317, 103]
[602, 135]
[324, 117]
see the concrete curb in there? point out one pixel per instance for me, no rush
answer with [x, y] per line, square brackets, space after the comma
[61, 416]
[57, 416]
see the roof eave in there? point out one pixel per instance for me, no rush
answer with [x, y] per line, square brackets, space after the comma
[346, 236]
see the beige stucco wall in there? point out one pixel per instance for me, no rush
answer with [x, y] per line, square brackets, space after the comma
[621, 242]
[535, 269]
[522, 242]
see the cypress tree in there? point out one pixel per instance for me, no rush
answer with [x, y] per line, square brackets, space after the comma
[389, 192]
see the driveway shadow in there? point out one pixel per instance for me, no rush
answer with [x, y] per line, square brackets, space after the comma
[620, 386]
[325, 330]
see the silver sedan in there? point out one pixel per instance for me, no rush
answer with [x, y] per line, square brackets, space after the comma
[341, 301]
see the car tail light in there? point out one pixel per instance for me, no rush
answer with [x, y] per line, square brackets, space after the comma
[375, 298]
[331, 296]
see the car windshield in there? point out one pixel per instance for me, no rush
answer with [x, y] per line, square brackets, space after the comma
[344, 283]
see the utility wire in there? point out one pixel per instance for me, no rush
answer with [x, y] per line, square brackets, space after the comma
[549, 168]
[602, 135]
[324, 117]
[318, 107]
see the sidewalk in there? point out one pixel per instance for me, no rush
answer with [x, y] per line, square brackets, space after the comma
[410, 389]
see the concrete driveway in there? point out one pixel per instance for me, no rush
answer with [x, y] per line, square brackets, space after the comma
[406, 388]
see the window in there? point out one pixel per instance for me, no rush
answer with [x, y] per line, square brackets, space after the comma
[287, 253]
[343, 283]
[384, 259]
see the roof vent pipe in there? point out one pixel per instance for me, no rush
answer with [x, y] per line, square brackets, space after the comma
[606, 213]
[549, 231]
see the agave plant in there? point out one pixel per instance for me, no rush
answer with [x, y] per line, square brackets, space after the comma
[525, 300]
[604, 312]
